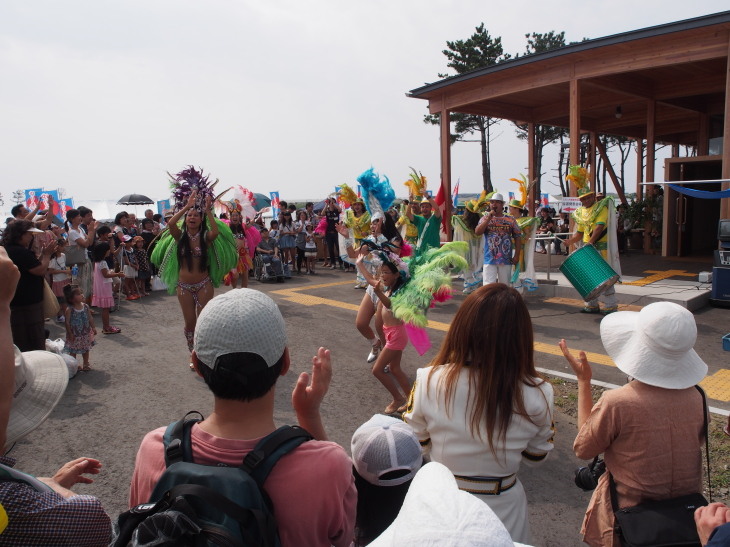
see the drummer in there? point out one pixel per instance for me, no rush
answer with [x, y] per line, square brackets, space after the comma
[592, 228]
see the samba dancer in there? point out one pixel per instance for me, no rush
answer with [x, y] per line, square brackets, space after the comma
[524, 271]
[595, 226]
[196, 251]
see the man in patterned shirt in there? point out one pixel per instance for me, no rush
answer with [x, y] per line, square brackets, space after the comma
[39, 511]
[500, 231]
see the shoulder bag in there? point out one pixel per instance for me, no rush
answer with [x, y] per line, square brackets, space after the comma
[662, 523]
[75, 254]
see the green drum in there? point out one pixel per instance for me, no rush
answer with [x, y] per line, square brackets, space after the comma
[588, 272]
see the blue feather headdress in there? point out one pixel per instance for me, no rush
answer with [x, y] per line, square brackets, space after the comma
[377, 192]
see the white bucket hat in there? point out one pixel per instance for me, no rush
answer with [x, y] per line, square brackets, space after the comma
[655, 345]
[436, 512]
[40, 380]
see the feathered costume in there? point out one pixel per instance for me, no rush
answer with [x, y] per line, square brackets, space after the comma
[463, 231]
[429, 282]
[247, 239]
[222, 254]
[585, 217]
[417, 188]
[523, 276]
[359, 226]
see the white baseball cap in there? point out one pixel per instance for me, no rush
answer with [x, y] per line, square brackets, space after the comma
[383, 445]
[497, 197]
[240, 321]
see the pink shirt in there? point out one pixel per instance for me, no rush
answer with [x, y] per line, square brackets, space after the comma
[312, 488]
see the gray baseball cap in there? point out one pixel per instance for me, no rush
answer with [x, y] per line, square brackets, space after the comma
[240, 321]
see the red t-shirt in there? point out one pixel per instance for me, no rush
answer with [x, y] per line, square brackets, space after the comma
[312, 488]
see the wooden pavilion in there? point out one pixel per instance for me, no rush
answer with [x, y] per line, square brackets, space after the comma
[665, 84]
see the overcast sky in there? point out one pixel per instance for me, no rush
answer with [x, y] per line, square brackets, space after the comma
[101, 98]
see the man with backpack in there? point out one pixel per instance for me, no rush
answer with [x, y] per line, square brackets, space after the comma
[240, 351]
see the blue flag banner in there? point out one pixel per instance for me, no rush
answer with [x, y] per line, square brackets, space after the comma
[163, 205]
[274, 204]
[33, 197]
[702, 194]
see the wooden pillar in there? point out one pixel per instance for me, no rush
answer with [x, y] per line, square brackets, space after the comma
[650, 136]
[725, 203]
[445, 123]
[592, 159]
[639, 169]
[531, 171]
[574, 127]
[650, 145]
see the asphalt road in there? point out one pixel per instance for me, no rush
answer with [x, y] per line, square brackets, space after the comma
[141, 381]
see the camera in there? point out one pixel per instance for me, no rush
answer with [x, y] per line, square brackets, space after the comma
[586, 477]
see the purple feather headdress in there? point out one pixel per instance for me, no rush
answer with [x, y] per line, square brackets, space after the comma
[185, 182]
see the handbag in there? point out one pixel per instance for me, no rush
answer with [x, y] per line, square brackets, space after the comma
[51, 307]
[75, 254]
[662, 523]
[157, 284]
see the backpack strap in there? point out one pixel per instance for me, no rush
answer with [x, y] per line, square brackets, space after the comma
[176, 439]
[261, 460]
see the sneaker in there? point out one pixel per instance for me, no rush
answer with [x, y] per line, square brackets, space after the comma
[373, 353]
[590, 310]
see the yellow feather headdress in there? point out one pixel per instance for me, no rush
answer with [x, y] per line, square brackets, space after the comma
[478, 205]
[523, 190]
[347, 195]
[579, 176]
[416, 184]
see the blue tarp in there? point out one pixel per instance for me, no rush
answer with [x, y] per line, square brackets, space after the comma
[702, 194]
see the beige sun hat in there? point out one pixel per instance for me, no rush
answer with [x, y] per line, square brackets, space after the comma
[40, 380]
[655, 345]
[436, 512]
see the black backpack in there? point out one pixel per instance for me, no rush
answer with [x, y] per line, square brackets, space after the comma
[202, 505]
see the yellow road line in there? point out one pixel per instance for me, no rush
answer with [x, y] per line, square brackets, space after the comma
[658, 275]
[295, 295]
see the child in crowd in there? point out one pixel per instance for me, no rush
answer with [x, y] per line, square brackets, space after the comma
[396, 338]
[80, 329]
[274, 232]
[61, 277]
[144, 273]
[386, 455]
[130, 268]
[103, 275]
[310, 248]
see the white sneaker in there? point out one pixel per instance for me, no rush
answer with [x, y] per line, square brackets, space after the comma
[373, 353]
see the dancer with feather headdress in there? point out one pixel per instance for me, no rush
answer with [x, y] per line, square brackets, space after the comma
[523, 274]
[595, 225]
[464, 226]
[403, 300]
[196, 250]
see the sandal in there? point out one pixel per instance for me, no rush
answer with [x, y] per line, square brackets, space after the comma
[111, 330]
[87, 368]
[403, 407]
[393, 407]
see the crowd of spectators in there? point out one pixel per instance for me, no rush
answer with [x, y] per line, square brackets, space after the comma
[500, 410]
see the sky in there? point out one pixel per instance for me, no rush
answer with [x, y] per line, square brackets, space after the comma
[101, 98]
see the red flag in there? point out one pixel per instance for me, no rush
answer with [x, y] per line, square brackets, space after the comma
[441, 202]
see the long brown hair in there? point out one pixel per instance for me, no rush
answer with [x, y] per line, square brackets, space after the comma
[491, 337]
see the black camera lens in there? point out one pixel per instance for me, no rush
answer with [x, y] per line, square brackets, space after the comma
[586, 478]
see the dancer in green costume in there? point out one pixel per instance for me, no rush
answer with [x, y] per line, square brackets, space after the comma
[196, 251]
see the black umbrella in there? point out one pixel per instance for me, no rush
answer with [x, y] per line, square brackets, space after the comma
[134, 199]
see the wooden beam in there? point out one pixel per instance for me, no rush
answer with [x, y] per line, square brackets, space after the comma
[445, 125]
[628, 84]
[611, 172]
[574, 126]
[703, 135]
